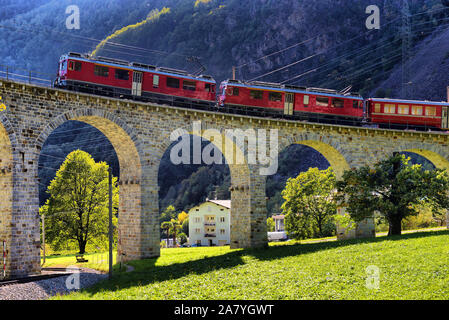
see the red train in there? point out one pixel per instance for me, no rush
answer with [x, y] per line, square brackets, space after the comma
[142, 82]
[117, 78]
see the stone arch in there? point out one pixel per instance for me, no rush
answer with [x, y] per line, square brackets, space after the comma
[339, 160]
[328, 148]
[133, 233]
[8, 144]
[248, 215]
[438, 160]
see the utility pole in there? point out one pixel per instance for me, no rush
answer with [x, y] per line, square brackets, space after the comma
[406, 34]
[110, 223]
[233, 73]
[43, 235]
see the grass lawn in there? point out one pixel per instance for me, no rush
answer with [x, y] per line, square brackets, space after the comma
[412, 266]
[98, 261]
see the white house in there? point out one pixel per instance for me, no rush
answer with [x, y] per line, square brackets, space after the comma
[210, 223]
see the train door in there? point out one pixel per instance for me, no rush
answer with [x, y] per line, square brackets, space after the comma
[289, 103]
[445, 118]
[137, 83]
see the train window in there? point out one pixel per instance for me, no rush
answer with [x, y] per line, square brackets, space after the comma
[338, 103]
[155, 81]
[322, 101]
[403, 109]
[417, 110]
[306, 101]
[121, 74]
[101, 71]
[63, 66]
[256, 94]
[390, 108]
[172, 82]
[75, 66]
[377, 108]
[431, 111]
[355, 104]
[189, 85]
[275, 96]
[210, 87]
[235, 91]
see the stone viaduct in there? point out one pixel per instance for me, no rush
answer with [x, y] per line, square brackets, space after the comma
[140, 134]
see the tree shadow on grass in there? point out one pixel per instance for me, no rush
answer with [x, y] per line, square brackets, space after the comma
[147, 272]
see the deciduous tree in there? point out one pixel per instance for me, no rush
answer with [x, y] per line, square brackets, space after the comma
[393, 188]
[78, 206]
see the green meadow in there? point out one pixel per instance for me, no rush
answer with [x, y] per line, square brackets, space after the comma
[411, 266]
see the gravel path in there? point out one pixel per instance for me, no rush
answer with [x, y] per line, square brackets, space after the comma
[43, 289]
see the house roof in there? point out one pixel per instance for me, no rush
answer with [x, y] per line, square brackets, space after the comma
[223, 203]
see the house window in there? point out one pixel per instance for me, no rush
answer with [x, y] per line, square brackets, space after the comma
[197, 230]
[155, 81]
[390, 108]
[403, 109]
[222, 231]
[101, 71]
[431, 111]
[121, 74]
[275, 96]
[256, 94]
[197, 219]
[417, 110]
[338, 103]
[189, 85]
[198, 242]
[322, 101]
[172, 83]
[222, 219]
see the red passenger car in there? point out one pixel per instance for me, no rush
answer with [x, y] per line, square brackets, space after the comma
[401, 114]
[321, 105]
[119, 78]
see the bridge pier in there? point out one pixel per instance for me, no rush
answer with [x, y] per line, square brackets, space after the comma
[248, 208]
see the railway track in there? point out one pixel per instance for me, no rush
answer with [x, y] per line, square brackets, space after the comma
[57, 273]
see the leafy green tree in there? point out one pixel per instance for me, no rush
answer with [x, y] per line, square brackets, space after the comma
[182, 237]
[270, 224]
[394, 189]
[185, 226]
[309, 202]
[168, 214]
[78, 207]
[166, 225]
[171, 228]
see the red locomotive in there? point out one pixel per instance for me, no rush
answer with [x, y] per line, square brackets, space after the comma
[138, 81]
[142, 82]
